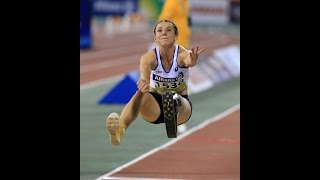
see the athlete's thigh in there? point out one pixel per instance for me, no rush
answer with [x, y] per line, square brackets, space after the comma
[149, 108]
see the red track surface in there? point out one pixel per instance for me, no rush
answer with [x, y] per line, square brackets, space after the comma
[210, 153]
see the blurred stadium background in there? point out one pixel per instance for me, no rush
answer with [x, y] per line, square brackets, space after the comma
[113, 36]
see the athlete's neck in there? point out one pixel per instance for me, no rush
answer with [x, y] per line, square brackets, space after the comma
[166, 52]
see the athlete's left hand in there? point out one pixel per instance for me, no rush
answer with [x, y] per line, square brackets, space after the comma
[195, 53]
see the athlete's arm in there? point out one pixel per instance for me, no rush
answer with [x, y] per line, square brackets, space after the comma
[190, 57]
[145, 70]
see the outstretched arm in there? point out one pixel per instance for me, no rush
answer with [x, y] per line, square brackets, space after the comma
[192, 58]
[145, 70]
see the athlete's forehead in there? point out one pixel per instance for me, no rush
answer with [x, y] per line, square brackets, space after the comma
[165, 25]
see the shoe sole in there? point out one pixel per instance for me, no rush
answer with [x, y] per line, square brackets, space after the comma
[170, 114]
[112, 125]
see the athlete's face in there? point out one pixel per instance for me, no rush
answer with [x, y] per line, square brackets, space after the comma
[165, 34]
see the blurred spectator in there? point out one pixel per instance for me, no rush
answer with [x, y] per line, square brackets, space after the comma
[178, 11]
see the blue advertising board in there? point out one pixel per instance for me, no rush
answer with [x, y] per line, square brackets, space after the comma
[85, 19]
[235, 12]
[113, 7]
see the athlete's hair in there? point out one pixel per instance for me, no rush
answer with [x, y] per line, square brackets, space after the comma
[165, 20]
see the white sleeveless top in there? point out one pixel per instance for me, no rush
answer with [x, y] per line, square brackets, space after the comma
[174, 80]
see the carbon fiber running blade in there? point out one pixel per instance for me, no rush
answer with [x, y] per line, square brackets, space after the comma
[170, 115]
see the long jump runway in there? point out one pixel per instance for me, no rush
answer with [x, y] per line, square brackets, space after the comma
[210, 150]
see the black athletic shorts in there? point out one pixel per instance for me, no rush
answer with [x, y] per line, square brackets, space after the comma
[158, 98]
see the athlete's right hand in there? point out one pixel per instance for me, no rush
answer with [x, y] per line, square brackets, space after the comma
[143, 86]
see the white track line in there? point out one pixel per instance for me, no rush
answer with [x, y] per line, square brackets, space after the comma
[100, 82]
[109, 52]
[110, 64]
[138, 178]
[200, 126]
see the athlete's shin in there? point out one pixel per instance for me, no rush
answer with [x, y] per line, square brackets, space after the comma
[131, 110]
